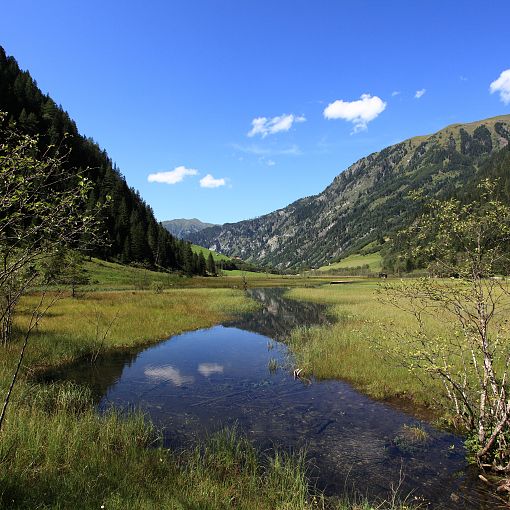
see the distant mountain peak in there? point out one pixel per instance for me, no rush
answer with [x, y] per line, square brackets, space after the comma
[182, 227]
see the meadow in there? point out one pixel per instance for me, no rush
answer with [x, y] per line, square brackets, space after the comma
[57, 452]
[372, 260]
[374, 343]
[355, 346]
[105, 275]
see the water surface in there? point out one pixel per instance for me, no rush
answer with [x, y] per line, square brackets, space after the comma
[199, 382]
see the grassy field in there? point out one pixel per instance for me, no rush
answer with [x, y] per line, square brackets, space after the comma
[354, 348]
[75, 327]
[111, 276]
[56, 452]
[218, 257]
[373, 260]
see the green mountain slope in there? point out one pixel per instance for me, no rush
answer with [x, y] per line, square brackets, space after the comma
[365, 202]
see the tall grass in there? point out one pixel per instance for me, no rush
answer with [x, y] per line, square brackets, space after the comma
[355, 347]
[56, 452]
[62, 456]
[76, 328]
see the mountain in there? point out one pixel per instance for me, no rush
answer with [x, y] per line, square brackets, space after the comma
[365, 202]
[132, 233]
[182, 227]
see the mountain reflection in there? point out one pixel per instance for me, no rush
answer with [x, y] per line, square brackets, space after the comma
[278, 316]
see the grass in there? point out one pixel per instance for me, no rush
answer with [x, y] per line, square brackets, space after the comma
[354, 348]
[373, 260]
[370, 341]
[56, 452]
[251, 274]
[74, 328]
[71, 458]
[111, 276]
[217, 257]
[103, 274]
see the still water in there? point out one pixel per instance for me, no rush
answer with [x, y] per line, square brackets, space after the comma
[238, 373]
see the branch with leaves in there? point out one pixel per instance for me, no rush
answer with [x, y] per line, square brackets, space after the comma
[471, 357]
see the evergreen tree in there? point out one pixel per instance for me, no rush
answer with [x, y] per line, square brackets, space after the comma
[211, 266]
[202, 265]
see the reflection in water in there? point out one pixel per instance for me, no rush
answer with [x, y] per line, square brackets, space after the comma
[206, 369]
[199, 382]
[279, 316]
[168, 373]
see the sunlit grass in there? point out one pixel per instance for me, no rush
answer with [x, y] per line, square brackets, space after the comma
[355, 347]
[102, 320]
[373, 260]
[60, 456]
[111, 276]
[56, 452]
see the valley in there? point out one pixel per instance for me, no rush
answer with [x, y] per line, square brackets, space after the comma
[347, 351]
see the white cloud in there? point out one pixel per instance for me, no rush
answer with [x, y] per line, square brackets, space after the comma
[293, 150]
[263, 126]
[359, 112]
[210, 182]
[395, 93]
[502, 85]
[419, 93]
[172, 177]
[270, 162]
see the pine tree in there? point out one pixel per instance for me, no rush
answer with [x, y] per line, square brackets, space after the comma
[202, 265]
[211, 266]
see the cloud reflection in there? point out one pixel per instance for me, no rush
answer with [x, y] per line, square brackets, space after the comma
[206, 369]
[168, 373]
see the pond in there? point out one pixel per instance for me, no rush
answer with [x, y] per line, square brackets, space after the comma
[239, 374]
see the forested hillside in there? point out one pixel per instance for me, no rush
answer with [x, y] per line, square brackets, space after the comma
[370, 199]
[133, 234]
[496, 168]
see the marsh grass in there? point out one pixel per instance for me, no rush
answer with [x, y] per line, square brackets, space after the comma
[74, 328]
[272, 365]
[73, 458]
[355, 347]
[56, 452]
[411, 438]
[371, 344]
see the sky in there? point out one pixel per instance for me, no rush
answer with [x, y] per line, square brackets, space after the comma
[225, 110]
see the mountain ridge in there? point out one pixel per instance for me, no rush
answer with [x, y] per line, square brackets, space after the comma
[365, 201]
[180, 227]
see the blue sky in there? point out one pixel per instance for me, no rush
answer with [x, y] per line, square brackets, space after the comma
[262, 102]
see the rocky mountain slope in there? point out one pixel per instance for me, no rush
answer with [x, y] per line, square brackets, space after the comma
[183, 227]
[365, 202]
